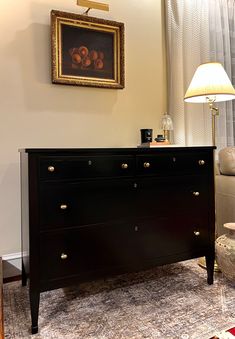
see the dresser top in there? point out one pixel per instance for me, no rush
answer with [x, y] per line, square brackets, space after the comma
[116, 150]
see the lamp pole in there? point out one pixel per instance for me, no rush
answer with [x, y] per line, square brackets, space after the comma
[214, 113]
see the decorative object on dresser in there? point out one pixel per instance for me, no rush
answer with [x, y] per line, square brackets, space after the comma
[146, 135]
[167, 126]
[87, 51]
[89, 213]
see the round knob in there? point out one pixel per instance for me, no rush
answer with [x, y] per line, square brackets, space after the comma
[136, 228]
[64, 256]
[197, 233]
[124, 166]
[201, 162]
[63, 207]
[51, 168]
[196, 194]
[146, 164]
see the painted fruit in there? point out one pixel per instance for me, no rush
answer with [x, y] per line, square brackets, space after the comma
[73, 50]
[86, 62]
[93, 55]
[83, 51]
[99, 64]
[76, 58]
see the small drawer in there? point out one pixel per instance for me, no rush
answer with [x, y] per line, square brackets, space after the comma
[173, 163]
[160, 196]
[172, 234]
[76, 167]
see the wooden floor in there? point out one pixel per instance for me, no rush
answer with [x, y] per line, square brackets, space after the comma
[1, 303]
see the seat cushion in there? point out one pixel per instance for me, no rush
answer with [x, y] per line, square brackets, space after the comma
[227, 160]
[224, 201]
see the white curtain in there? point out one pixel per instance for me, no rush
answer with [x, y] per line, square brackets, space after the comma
[222, 49]
[198, 31]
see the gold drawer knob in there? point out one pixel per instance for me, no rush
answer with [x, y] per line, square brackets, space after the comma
[63, 207]
[64, 256]
[201, 162]
[196, 194]
[51, 168]
[146, 164]
[124, 166]
[197, 233]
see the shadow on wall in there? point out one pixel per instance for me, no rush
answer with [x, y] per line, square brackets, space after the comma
[32, 48]
[10, 205]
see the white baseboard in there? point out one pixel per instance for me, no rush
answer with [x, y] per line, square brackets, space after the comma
[11, 265]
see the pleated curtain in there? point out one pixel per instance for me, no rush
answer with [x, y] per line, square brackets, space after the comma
[199, 31]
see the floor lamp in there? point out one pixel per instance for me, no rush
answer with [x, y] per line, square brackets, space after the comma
[210, 84]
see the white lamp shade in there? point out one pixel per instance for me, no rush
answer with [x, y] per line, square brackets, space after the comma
[210, 82]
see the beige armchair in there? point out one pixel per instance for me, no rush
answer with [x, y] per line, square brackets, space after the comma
[225, 189]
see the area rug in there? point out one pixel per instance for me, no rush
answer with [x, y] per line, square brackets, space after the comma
[167, 302]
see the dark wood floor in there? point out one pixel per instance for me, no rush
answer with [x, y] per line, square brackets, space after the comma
[1, 303]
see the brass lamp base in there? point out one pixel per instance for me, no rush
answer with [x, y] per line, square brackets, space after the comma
[202, 263]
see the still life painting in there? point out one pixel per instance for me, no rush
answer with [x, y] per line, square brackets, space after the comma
[87, 51]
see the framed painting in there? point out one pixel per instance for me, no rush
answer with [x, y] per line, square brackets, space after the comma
[87, 51]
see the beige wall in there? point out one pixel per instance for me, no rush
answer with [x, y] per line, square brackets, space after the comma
[35, 113]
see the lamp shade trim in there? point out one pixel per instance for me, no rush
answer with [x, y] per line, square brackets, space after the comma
[212, 96]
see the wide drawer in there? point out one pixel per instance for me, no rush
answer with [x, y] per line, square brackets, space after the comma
[103, 248]
[86, 250]
[86, 202]
[174, 163]
[76, 167]
[91, 202]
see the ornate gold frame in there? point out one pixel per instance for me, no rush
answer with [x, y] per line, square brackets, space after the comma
[94, 24]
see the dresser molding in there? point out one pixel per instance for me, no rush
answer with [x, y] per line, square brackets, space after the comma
[89, 213]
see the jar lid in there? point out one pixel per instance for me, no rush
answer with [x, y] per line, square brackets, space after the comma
[230, 225]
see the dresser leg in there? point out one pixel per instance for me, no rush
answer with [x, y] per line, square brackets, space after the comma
[34, 305]
[23, 275]
[210, 268]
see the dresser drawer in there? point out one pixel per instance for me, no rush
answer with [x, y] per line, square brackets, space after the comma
[93, 249]
[172, 234]
[87, 250]
[86, 202]
[173, 163]
[173, 194]
[59, 167]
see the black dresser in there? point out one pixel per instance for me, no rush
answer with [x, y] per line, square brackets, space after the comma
[91, 213]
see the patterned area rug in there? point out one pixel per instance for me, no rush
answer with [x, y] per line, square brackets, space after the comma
[167, 302]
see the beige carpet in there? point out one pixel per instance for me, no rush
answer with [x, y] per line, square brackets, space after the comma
[168, 302]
